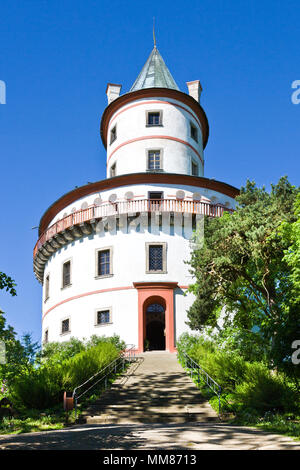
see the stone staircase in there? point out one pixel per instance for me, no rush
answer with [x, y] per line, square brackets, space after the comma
[155, 389]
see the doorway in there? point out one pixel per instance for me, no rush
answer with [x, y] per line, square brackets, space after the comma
[155, 338]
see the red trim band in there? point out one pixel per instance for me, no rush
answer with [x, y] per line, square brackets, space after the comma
[101, 291]
[146, 137]
[155, 102]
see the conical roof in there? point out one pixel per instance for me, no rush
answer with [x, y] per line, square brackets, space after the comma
[154, 74]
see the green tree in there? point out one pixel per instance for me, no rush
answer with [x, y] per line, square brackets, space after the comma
[242, 264]
[7, 283]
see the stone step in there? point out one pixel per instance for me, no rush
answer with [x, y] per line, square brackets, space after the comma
[155, 389]
[146, 418]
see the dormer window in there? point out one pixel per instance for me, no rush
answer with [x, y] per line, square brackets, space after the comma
[154, 118]
[194, 132]
[113, 134]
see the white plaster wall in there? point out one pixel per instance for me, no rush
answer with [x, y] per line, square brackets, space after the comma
[130, 122]
[129, 265]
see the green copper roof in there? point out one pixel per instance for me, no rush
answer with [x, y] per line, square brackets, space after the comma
[155, 74]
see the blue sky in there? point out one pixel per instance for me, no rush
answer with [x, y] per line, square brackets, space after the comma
[56, 58]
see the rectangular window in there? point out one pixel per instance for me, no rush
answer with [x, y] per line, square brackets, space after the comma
[154, 118]
[103, 317]
[155, 258]
[66, 274]
[194, 169]
[46, 337]
[155, 195]
[113, 170]
[65, 326]
[194, 132]
[104, 263]
[113, 134]
[47, 282]
[154, 160]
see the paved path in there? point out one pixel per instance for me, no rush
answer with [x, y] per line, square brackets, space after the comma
[194, 436]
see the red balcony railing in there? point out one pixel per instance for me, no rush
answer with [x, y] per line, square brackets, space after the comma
[125, 207]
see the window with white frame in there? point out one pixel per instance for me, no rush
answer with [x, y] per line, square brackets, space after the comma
[156, 257]
[65, 326]
[113, 170]
[113, 134]
[154, 118]
[47, 285]
[194, 168]
[194, 132]
[46, 336]
[104, 262]
[103, 317]
[154, 160]
[66, 274]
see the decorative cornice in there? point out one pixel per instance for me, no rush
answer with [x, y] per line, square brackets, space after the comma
[155, 285]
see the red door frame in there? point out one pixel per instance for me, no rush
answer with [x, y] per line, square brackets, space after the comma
[149, 292]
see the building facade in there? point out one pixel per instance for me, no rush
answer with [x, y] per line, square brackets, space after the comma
[111, 254]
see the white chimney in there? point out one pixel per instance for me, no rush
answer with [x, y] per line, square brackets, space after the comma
[112, 92]
[195, 89]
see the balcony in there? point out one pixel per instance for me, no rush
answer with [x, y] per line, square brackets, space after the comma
[83, 222]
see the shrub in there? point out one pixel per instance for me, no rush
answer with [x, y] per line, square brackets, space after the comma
[263, 391]
[85, 364]
[43, 387]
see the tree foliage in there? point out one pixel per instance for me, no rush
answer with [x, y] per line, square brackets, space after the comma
[7, 283]
[247, 265]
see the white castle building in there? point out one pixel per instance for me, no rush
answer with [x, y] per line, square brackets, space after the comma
[111, 254]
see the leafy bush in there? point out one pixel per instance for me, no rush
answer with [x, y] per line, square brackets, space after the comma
[86, 363]
[42, 387]
[247, 387]
[263, 391]
[39, 388]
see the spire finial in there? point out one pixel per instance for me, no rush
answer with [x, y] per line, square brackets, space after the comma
[154, 39]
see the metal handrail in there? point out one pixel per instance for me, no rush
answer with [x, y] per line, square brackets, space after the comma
[127, 354]
[191, 365]
[134, 206]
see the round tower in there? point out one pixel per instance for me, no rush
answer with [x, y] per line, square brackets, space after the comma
[154, 126]
[111, 255]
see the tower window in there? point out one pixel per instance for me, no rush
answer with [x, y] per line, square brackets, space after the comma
[104, 262]
[65, 326]
[113, 134]
[66, 274]
[156, 257]
[113, 170]
[194, 169]
[154, 160]
[194, 132]
[47, 283]
[103, 317]
[154, 118]
[46, 337]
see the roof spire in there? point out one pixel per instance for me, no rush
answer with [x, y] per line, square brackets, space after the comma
[155, 73]
[154, 39]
